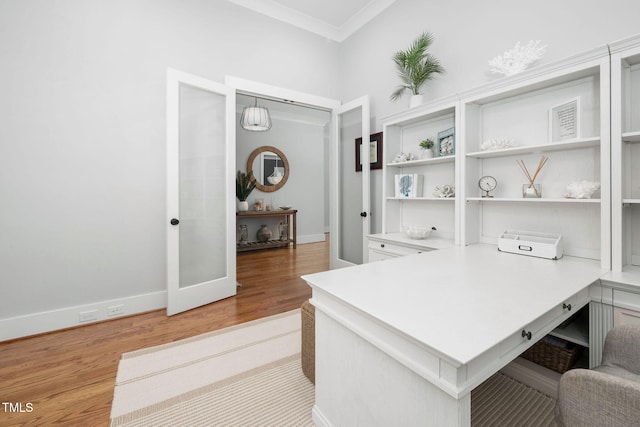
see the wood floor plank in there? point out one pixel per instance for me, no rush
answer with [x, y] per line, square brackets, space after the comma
[68, 376]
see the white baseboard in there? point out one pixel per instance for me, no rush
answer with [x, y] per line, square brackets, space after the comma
[311, 238]
[37, 323]
[535, 376]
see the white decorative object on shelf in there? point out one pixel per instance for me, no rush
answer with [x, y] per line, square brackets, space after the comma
[444, 191]
[516, 60]
[403, 157]
[416, 232]
[581, 189]
[496, 143]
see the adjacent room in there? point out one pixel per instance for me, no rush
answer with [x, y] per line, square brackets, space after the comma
[189, 214]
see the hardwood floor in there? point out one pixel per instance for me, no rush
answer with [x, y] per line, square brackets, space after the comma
[67, 377]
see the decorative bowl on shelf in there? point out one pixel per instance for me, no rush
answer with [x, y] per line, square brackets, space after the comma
[285, 207]
[417, 232]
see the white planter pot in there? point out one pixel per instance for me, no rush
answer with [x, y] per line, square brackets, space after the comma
[416, 100]
[243, 206]
[426, 153]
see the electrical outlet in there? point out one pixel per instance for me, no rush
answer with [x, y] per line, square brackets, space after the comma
[115, 310]
[88, 316]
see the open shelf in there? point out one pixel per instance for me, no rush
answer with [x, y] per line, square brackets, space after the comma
[556, 146]
[631, 136]
[423, 199]
[530, 200]
[254, 246]
[423, 162]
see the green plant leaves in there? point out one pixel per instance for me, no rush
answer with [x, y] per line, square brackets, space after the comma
[416, 66]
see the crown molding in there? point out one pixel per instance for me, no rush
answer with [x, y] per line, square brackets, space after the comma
[293, 17]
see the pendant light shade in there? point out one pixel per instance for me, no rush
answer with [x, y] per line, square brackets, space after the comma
[255, 119]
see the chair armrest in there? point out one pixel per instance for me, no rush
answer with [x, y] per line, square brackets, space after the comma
[622, 348]
[590, 398]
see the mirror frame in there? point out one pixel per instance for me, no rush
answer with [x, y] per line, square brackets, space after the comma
[255, 153]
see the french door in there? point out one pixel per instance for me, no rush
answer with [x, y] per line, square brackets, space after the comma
[201, 263]
[350, 204]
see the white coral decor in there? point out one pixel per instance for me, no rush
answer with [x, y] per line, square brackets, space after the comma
[581, 189]
[517, 59]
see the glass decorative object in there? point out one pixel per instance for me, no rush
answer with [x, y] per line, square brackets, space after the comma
[283, 231]
[244, 233]
[531, 191]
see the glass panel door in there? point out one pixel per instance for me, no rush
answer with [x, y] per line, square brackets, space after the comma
[200, 142]
[351, 218]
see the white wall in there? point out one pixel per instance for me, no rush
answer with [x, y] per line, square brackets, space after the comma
[82, 139]
[304, 146]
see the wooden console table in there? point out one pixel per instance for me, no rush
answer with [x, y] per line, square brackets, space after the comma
[290, 220]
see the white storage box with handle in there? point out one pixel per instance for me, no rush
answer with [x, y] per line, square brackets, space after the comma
[542, 245]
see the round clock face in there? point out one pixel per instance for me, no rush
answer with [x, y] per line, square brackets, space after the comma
[487, 183]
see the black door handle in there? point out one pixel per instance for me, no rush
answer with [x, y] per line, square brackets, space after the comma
[363, 214]
[175, 221]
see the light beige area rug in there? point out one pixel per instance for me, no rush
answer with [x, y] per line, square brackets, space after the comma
[247, 374]
[250, 375]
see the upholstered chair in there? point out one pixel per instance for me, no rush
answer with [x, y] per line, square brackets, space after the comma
[609, 394]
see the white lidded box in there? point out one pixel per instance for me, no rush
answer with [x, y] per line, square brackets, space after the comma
[542, 245]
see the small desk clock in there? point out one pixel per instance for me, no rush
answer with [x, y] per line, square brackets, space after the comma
[486, 184]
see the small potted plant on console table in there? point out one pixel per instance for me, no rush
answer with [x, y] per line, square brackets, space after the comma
[244, 186]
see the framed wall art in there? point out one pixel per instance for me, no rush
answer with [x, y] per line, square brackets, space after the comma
[446, 145]
[375, 152]
[564, 121]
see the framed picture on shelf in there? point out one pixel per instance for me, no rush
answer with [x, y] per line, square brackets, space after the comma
[564, 121]
[408, 185]
[375, 152]
[446, 145]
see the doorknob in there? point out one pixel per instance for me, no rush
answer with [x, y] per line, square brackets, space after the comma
[175, 221]
[363, 214]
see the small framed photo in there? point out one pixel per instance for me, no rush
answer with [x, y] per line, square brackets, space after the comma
[375, 152]
[408, 185]
[564, 121]
[446, 145]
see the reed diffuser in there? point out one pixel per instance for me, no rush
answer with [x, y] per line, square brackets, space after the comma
[532, 189]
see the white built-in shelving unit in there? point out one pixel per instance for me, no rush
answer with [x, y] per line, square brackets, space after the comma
[625, 131]
[515, 107]
[403, 132]
[518, 109]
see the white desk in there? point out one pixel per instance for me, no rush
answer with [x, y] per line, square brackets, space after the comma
[404, 341]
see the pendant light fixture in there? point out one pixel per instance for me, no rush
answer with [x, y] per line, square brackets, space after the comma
[255, 119]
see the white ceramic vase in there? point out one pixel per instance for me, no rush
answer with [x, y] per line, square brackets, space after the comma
[426, 153]
[243, 206]
[416, 100]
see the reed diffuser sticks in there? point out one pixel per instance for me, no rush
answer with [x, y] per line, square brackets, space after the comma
[543, 161]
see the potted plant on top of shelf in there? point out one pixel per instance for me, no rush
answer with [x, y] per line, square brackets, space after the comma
[415, 68]
[245, 183]
[426, 148]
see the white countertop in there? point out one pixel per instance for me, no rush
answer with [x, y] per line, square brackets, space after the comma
[459, 301]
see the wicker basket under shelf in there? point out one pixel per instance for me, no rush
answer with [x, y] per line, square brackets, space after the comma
[553, 357]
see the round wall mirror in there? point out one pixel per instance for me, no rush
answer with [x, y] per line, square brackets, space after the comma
[270, 168]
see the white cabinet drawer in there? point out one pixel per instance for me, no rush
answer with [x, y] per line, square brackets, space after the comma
[544, 324]
[394, 249]
[626, 309]
[624, 316]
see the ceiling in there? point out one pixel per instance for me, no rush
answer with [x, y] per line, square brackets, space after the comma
[333, 19]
